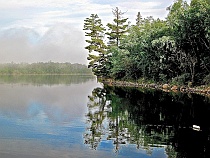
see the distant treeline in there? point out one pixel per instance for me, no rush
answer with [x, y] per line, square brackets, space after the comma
[43, 68]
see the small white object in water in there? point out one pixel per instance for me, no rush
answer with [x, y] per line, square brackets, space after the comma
[196, 128]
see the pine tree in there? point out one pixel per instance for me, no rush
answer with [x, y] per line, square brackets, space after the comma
[117, 29]
[97, 48]
[139, 19]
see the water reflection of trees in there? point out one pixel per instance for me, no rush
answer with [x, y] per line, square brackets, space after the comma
[145, 118]
[45, 79]
[96, 116]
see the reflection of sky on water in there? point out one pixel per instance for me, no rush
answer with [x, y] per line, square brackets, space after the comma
[49, 121]
[131, 151]
[40, 127]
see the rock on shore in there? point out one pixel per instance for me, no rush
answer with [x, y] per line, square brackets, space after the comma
[204, 90]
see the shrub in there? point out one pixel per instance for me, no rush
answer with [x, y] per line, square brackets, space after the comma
[182, 79]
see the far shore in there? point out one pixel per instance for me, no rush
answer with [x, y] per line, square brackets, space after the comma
[81, 74]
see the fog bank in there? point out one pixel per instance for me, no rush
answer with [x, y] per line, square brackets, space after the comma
[61, 43]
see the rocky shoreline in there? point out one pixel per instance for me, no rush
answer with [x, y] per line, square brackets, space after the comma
[202, 90]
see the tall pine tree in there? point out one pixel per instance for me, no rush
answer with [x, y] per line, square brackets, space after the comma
[97, 48]
[118, 28]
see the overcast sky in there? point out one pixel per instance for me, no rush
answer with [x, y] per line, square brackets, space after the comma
[44, 30]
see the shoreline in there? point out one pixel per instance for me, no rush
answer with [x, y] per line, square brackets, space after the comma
[201, 90]
[45, 74]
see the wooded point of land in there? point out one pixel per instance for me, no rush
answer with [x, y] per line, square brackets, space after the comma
[175, 50]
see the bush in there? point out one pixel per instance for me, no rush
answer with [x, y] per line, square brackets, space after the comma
[206, 80]
[182, 79]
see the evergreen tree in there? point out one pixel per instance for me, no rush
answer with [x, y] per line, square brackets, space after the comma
[117, 29]
[97, 48]
[139, 19]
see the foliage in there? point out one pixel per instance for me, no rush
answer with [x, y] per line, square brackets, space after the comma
[97, 48]
[118, 29]
[206, 80]
[139, 19]
[191, 32]
[181, 80]
[43, 68]
[162, 50]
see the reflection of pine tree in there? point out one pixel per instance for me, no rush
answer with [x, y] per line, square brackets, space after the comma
[97, 113]
[117, 120]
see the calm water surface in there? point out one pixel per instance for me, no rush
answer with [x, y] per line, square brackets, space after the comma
[74, 116]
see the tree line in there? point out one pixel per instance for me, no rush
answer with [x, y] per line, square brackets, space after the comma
[43, 68]
[175, 50]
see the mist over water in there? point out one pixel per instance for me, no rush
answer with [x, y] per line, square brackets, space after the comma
[61, 43]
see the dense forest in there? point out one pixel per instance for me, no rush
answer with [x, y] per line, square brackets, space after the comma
[175, 50]
[43, 68]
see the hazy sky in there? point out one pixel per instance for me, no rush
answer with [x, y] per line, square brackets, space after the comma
[44, 30]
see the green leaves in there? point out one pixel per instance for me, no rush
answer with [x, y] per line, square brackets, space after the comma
[192, 37]
[153, 49]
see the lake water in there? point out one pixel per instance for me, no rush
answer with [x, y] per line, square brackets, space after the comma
[74, 116]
